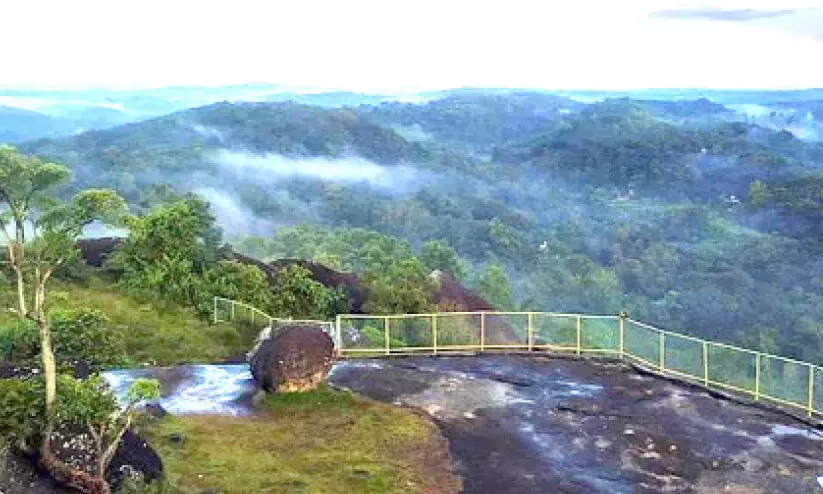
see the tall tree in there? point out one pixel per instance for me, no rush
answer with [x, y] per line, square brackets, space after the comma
[48, 244]
[55, 230]
[24, 182]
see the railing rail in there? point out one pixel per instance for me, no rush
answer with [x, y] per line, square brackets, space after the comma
[762, 376]
[236, 310]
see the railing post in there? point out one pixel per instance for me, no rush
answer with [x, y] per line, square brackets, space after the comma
[530, 331]
[662, 364]
[215, 310]
[388, 337]
[252, 317]
[757, 376]
[232, 310]
[810, 407]
[621, 333]
[578, 334]
[482, 331]
[706, 364]
[338, 334]
[434, 333]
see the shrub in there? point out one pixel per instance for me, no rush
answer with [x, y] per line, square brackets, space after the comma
[83, 334]
[18, 340]
[296, 294]
[21, 411]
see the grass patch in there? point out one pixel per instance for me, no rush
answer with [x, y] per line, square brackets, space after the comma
[320, 442]
[153, 332]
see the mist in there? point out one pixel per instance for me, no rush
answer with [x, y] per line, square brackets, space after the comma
[268, 168]
[232, 216]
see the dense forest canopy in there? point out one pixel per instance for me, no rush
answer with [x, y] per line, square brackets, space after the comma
[685, 211]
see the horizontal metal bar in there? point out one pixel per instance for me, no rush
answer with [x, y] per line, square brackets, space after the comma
[479, 347]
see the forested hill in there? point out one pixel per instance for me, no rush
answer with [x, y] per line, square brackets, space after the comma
[689, 214]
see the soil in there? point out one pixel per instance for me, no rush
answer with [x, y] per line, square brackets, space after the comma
[536, 425]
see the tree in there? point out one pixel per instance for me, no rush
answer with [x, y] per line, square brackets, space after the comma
[758, 194]
[168, 249]
[49, 243]
[402, 287]
[436, 254]
[296, 294]
[55, 230]
[24, 181]
[88, 402]
[493, 285]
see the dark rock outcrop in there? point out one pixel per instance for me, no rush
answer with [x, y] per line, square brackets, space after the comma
[450, 292]
[295, 358]
[12, 370]
[134, 457]
[95, 251]
[73, 459]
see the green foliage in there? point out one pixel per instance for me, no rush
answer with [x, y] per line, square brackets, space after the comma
[85, 334]
[437, 255]
[233, 280]
[493, 285]
[21, 411]
[758, 194]
[631, 199]
[18, 340]
[167, 250]
[84, 401]
[402, 287]
[25, 178]
[296, 294]
[142, 390]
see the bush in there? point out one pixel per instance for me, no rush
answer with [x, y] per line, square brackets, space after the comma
[18, 341]
[21, 411]
[233, 280]
[83, 334]
[297, 295]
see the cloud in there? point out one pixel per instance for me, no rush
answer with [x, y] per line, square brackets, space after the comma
[232, 216]
[209, 132]
[803, 22]
[267, 168]
[711, 14]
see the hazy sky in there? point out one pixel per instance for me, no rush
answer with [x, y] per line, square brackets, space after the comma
[390, 45]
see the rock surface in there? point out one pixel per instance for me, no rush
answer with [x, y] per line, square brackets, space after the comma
[294, 358]
[536, 425]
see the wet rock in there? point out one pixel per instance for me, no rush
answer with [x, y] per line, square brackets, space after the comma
[295, 358]
[82, 369]
[640, 434]
[10, 370]
[134, 456]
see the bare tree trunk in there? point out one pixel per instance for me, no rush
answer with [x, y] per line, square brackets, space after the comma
[21, 291]
[46, 348]
[17, 262]
[63, 473]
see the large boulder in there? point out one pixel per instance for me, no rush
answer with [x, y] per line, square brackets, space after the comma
[292, 358]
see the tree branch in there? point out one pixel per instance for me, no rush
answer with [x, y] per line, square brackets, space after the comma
[112, 449]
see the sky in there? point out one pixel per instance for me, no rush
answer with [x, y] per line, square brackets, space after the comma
[402, 45]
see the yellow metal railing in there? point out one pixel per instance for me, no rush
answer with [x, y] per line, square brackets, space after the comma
[228, 310]
[764, 377]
